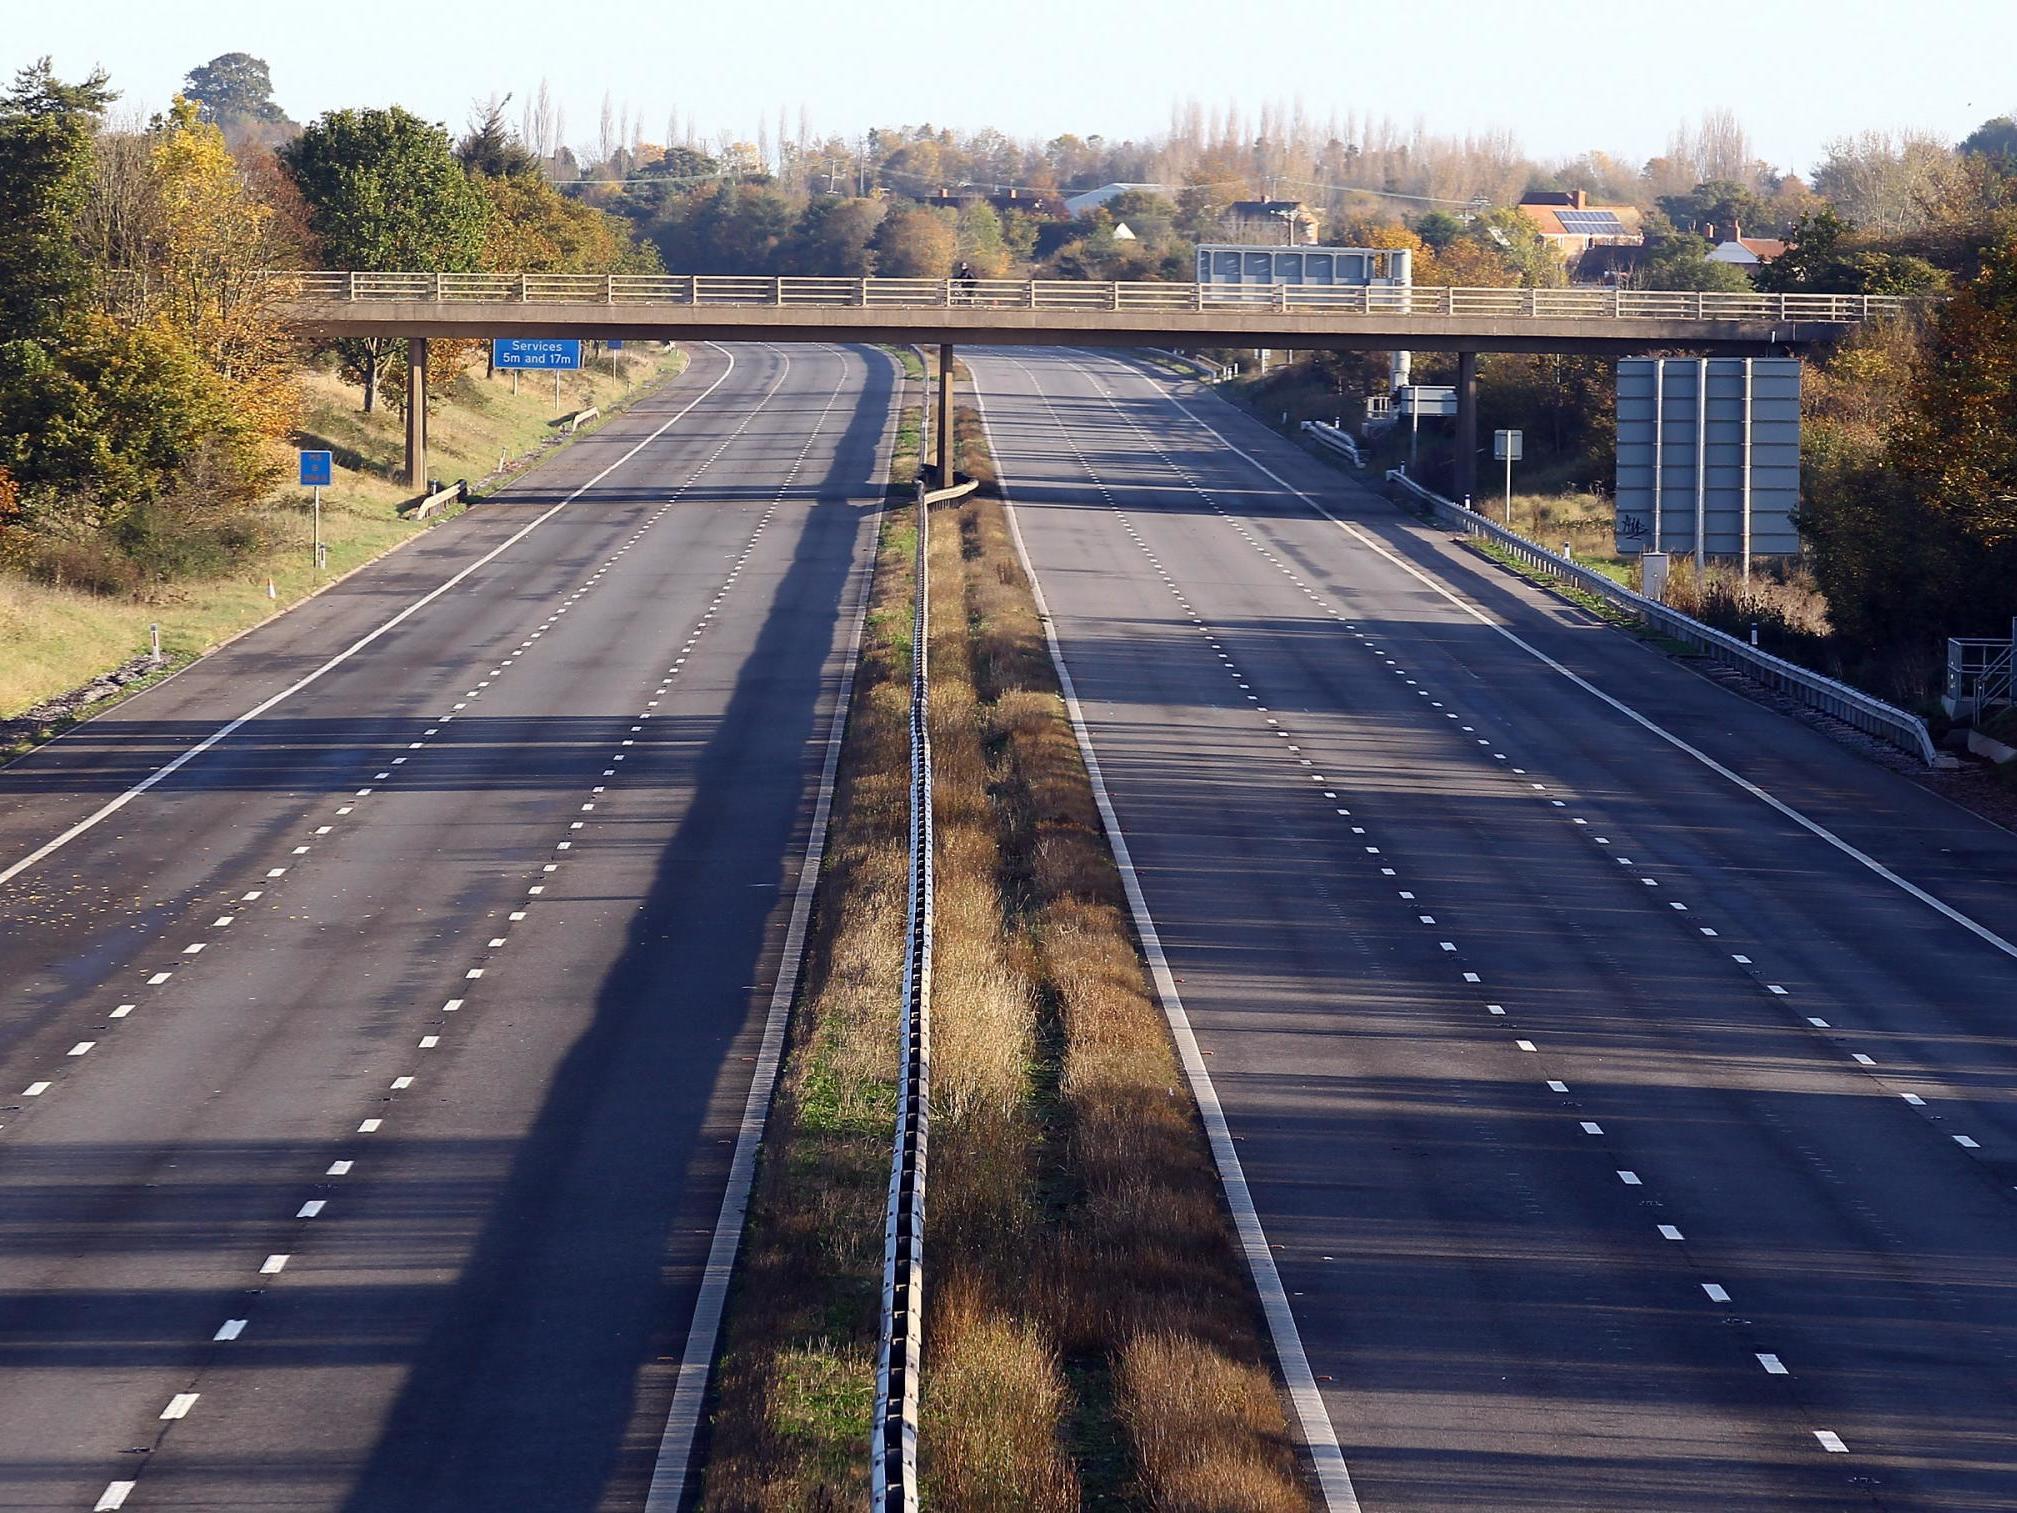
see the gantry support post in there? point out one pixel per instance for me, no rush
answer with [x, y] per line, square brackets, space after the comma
[416, 412]
[1467, 426]
[945, 450]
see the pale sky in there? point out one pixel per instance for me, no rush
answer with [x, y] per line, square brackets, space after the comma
[1612, 74]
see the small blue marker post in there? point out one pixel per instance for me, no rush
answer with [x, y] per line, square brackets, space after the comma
[318, 472]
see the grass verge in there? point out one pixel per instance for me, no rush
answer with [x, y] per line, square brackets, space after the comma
[55, 639]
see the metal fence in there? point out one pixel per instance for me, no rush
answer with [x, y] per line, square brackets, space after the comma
[1980, 675]
[1075, 294]
[1334, 439]
[899, 1353]
[1873, 716]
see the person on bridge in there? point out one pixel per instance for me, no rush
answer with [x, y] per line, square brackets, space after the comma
[963, 282]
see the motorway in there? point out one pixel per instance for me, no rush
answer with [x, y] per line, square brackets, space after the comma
[1623, 1075]
[369, 1082]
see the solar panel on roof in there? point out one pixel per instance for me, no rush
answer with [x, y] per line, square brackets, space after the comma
[1591, 222]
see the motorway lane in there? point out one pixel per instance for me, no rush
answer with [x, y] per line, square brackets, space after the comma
[470, 1063]
[1477, 1258]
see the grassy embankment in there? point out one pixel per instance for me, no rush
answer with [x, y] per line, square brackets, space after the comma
[53, 639]
[1090, 1333]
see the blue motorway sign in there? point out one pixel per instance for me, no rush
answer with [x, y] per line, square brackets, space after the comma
[614, 346]
[318, 469]
[536, 352]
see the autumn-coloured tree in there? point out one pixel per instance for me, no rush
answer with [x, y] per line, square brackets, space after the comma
[217, 241]
[916, 242]
[534, 228]
[1960, 442]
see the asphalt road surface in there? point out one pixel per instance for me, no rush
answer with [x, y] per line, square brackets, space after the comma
[1624, 1140]
[368, 1083]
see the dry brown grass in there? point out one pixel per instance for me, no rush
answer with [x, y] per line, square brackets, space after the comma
[1584, 521]
[1131, 1273]
[1782, 599]
[991, 1424]
[1203, 1433]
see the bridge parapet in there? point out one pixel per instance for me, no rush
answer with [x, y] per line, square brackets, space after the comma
[1077, 296]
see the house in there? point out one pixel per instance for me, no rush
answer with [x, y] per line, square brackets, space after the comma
[1092, 199]
[1272, 223]
[1568, 222]
[1747, 252]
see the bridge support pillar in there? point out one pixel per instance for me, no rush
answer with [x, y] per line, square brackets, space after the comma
[416, 412]
[1467, 426]
[945, 447]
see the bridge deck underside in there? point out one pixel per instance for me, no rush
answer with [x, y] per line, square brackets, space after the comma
[1013, 327]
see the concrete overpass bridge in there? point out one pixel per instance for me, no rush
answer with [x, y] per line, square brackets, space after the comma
[951, 312]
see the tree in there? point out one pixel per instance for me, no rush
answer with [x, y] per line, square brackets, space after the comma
[1995, 141]
[217, 240]
[490, 149]
[1886, 184]
[1823, 257]
[45, 183]
[234, 92]
[1681, 261]
[534, 228]
[114, 414]
[1438, 229]
[979, 236]
[834, 239]
[1958, 440]
[233, 85]
[915, 242]
[1718, 208]
[384, 192]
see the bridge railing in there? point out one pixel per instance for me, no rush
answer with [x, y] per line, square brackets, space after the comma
[1075, 294]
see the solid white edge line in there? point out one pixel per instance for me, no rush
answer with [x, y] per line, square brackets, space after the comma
[1813, 827]
[1319, 1435]
[90, 821]
[682, 1421]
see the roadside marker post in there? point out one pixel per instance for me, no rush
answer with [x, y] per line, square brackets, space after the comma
[1507, 445]
[318, 472]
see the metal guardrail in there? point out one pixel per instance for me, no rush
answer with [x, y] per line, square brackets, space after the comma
[1873, 716]
[1210, 372]
[1332, 439]
[438, 497]
[621, 289]
[893, 1470]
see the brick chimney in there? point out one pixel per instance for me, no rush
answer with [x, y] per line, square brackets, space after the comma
[1578, 199]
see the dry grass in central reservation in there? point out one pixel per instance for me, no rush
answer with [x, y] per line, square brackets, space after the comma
[1090, 1333]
